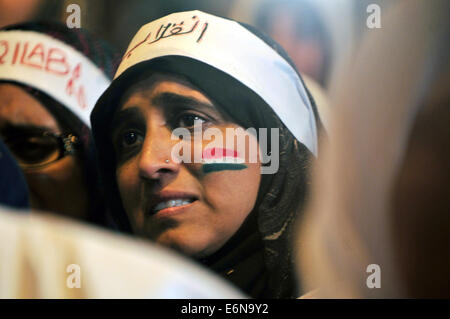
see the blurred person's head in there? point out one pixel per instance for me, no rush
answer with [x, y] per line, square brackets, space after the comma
[298, 27]
[220, 210]
[15, 12]
[12, 12]
[50, 78]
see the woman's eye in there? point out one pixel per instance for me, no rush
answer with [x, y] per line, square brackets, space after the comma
[189, 120]
[34, 149]
[131, 138]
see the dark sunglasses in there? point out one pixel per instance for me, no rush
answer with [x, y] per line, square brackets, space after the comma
[35, 148]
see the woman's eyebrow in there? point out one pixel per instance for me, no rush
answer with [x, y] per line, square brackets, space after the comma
[130, 113]
[19, 129]
[172, 99]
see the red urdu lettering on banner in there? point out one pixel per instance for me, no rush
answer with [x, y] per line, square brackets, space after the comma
[167, 31]
[16, 53]
[71, 89]
[76, 73]
[37, 52]
[57, 57]
[81, 98]
[3, 44]
[25, 49]
[177, 29]
[128, 54]
[205, 26]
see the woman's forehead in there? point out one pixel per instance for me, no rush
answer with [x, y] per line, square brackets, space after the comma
[21, 108]
[148, 89]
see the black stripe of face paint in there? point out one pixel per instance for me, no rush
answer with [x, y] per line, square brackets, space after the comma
[217, 167]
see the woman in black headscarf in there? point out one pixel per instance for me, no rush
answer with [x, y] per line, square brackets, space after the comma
[195, 71]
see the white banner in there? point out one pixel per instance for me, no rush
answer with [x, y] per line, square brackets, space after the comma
[230, 47]
[53, 67]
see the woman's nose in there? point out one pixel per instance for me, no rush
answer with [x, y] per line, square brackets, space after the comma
[155, 161]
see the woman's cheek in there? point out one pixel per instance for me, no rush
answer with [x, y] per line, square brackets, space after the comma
[60, 187]
[233, 193]
[128, 184]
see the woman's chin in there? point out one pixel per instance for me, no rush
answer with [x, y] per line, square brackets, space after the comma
[185, 243]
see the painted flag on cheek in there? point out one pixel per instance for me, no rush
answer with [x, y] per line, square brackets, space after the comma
[219, 159]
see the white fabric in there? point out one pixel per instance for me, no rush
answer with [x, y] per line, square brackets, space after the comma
[228, 46]
[49, 65]
[36, 250]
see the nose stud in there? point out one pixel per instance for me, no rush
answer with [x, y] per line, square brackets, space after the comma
[167, 161]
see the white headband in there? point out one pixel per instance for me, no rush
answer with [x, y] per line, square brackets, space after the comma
[229, 47]
[53, 67]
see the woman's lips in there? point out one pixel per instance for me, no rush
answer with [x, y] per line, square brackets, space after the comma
[174, 202]
[169, 202]
[175, 210]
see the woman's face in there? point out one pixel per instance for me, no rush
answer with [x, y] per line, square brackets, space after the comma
[193, 207]
[58, 186]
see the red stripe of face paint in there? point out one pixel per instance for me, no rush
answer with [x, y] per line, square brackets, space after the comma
[216, 152]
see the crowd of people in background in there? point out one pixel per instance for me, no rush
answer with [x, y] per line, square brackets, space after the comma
[89, 174]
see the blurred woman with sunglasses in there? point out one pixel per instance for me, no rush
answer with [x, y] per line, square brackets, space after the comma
[50, 79]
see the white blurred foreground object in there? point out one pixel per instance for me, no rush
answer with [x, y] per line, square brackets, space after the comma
[353, 232]
[37, 251]
[321, 98]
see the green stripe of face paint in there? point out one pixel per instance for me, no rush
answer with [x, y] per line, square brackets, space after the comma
[217, 167]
